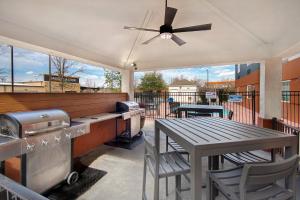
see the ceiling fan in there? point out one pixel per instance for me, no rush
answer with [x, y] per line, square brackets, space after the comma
[166, 31]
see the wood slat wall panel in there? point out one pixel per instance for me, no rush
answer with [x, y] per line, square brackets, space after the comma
[77, 105]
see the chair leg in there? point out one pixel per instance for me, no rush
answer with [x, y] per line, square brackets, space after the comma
[144, 181]
[167, 182]
[222, 159]
[178, 187]
[167, 186]
[208, 187]
[156, 188]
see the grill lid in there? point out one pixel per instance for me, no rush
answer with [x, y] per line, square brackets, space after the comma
[126, 106]
[33, 122]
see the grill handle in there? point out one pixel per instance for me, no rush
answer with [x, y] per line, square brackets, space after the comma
[29, 133]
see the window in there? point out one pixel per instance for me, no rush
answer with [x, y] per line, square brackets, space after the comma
[38, 72]
[285, 91]
[29, 70]
[5, 68]
[250, 90]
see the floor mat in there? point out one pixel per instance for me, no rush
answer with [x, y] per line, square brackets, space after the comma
[69, 192]
[135, 141]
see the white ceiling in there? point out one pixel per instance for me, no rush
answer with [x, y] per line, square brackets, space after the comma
[93, 30]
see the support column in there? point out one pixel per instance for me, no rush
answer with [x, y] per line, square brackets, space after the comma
[127, 84]
[270, 91]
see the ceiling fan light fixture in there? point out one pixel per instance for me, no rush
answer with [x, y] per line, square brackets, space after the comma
[166, 36]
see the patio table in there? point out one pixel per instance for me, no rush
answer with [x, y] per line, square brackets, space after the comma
[210, 136]
[200, 109]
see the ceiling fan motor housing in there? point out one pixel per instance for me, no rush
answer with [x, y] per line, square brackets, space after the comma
[166, 29]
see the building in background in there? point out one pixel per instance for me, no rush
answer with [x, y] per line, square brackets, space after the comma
[68, 85]
[247, 77]
[226, 84]
[247, 80]
[291, 90]
[187, 88]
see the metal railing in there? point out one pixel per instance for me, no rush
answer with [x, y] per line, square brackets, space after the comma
[158, 105]
[10, 190]
[291, 108]
[281, 126]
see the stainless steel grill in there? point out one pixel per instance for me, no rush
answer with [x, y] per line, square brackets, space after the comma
[46, 152]
[131, 112]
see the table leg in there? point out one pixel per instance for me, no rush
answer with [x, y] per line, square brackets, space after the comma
[215, 166]
[196, 176]
[156, 178]
[290, 181]
[179, 114]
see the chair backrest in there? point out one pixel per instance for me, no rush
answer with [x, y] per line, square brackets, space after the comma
[268, 173]
[174, 106]
[230, 115]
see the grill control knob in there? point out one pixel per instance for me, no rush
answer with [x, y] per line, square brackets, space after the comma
[30, 147]
[44, 142]
[57, 139]
[68, 135]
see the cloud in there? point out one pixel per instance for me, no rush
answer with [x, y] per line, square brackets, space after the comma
[88, 76]
[30, 72]
[226, 73]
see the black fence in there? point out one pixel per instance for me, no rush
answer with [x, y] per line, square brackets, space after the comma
[291, 108]
[244, 105]
[281, 126]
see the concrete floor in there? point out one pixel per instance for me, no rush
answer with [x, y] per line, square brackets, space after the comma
[124, 168]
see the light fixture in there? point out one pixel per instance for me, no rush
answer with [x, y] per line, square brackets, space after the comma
[166, 35]
[133, 64]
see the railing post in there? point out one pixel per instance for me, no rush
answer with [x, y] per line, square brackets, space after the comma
[274, 123]
[253, 108]
[165, 101]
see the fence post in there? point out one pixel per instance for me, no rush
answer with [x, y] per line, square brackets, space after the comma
[274, 123]
[165, 101]
[253, 108]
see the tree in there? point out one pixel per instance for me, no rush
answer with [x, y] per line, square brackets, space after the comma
[152, 82]
[3, 75]
[63, 67]
[112, 80]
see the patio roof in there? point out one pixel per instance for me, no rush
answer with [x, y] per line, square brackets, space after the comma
[93, 30]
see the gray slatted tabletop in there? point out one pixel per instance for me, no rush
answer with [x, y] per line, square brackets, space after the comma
[200, 108]
[209, 136]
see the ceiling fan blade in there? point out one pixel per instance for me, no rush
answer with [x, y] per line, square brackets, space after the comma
[170, 15]
[177, 40]
[203, 27]
[140, 29]
[150, 40]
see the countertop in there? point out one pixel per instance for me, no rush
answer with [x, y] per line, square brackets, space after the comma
[97, 118]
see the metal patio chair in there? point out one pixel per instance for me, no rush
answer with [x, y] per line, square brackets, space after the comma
[163, 165]
[241, 158]
[255, 181]
[173, 108]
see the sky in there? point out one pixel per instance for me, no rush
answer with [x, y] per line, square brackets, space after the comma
[215, 73]
[30, 66]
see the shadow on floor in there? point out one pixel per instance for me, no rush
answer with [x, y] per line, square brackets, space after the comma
[69, 192]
